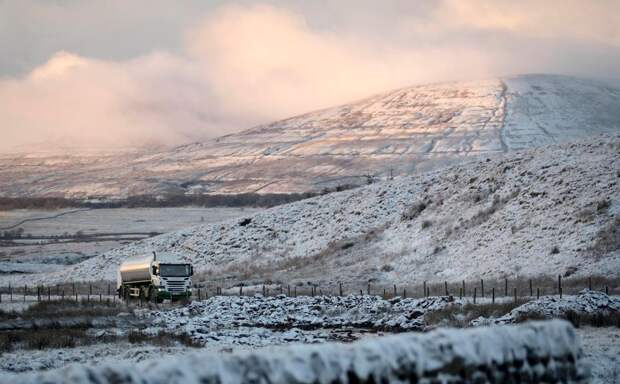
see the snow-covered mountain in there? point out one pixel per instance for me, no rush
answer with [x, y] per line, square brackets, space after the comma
[552, 210]
[400, 132]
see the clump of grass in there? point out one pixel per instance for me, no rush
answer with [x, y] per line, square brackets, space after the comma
[460, 315]
[66, 308]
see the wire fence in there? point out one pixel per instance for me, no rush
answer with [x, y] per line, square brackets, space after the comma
[480, 289]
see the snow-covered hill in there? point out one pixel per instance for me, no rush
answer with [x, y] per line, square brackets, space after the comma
[401, 132]
[546, 211]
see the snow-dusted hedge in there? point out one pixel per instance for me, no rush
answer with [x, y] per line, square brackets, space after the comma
[527, 353]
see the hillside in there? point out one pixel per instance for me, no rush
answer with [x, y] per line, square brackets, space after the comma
[399, 132]
[549, 211]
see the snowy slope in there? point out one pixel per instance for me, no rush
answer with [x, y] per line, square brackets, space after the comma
[540, 211]
[402, 131]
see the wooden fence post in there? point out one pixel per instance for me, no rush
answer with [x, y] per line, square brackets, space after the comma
[445, 283]
[340, 289]
[424, 288]
[493, 295]
[461, 293]
[295, 291]
[607, 290]
[481, 287]
[73, 292]
[531, 291]
[241, 289]
[38, 293]
[395, 293]
[590, 283]
[361, 292]
[560, 285]
[463, 287]
[10, 293]
[515, 293]
[49, 294]
[25, 292]
[404, 293]
[475, 292]
[368, 289]
[384, 294]
[506, 287]
[90, 292]
[537, 293]
[108, 289]
[288, 290]
[428, 291]
[63, 295]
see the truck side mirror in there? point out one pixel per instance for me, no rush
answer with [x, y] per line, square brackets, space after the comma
[154, 270]
[191, 270]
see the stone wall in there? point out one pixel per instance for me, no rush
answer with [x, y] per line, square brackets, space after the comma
[536, 352]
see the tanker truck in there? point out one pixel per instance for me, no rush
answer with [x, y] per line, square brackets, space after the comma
[155, 277]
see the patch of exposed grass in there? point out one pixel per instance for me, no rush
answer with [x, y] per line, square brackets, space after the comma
[460, 316]
[66, 308]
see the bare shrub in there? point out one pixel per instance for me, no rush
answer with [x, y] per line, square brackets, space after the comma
[414, 210]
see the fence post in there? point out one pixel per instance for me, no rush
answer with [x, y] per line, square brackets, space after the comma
[424, 288]
[445, 283]
[475, 292]
[395, 293]
[493, 295]
[560, 285]
[108, 289]
[90, 292]
[384, 294]
[340, 288]
[506, 287]
[428, 291]
[295, 291]
[607, 290]
[531, 291]
[63, 295]
[49, 294]
[537, 293]
[590, 283]
[25, 291]
[515, 293]
[10, 293]
[368, 289]
[288, 290]
[404, 293]
[38, 293]
[241, 289]
[199, 295]
[461, 293]
[481, 287]
[463, 288]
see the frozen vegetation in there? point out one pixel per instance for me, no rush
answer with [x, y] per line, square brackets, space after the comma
[536, 212]
[586, 303]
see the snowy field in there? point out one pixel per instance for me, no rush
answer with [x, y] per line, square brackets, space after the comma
[551, 211]
[38, 255]
[226, 324]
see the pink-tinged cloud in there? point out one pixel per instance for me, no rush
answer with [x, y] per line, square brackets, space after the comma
[244, 65]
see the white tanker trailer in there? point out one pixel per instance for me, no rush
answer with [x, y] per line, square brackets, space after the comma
[155, 277]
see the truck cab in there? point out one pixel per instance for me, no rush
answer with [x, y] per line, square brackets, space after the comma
[172, 280]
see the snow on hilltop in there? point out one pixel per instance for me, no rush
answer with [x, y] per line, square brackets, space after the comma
[540, 211]
[402, 131]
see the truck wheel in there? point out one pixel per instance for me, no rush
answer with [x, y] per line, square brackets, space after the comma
[153, 296]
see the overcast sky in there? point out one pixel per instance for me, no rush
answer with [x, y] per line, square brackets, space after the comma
[148, 72]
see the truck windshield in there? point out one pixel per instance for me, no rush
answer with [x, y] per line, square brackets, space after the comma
[174, 270]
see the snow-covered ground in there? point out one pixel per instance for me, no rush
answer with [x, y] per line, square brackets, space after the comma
[33, 256]
[536, 212]
[585, 303]
[401, 131]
